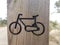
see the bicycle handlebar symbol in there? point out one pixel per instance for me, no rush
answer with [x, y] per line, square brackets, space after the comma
[35, 25]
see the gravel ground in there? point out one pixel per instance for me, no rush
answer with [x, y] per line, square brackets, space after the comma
[3, 36]
[55, 37]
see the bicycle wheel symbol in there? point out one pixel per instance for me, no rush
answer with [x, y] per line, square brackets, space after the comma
[14, 30]
[41, 29]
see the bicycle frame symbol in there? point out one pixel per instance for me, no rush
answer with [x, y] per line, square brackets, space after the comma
[33, 25]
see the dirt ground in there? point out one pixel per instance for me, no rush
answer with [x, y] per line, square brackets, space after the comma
[3, 36]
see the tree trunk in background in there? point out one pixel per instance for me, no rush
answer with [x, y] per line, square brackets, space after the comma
[28, 8]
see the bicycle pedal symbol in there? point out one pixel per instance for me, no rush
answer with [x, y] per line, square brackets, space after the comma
[35, 25]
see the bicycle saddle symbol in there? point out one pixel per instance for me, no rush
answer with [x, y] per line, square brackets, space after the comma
[35, 25]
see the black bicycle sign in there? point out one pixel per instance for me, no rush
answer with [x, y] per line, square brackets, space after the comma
[35, 25]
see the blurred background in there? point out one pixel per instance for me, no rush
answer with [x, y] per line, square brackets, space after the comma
[54, 22]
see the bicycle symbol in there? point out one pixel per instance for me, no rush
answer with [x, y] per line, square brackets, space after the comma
[35, 25]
